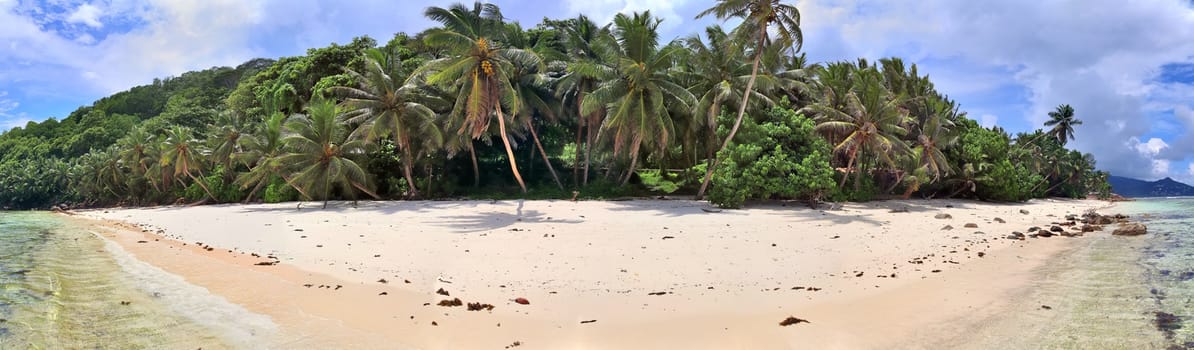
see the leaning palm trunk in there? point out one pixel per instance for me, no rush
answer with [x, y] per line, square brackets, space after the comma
[849, 165]
[407, 164]
[551, 169]
[472, 152]
[253, 192]
[509, 151]
[750, 85]
[633, 162]
[202, 185]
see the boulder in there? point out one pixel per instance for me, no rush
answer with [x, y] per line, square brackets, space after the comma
[1130, 229]
[1024, 211]
[970, 225]
[1056, 229]
[943, 216]
[1034, 229]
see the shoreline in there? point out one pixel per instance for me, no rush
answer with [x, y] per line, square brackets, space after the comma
[723, 287]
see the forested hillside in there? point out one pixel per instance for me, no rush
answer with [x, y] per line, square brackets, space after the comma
[483, 107]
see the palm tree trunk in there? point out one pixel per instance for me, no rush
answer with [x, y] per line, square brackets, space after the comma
[849, 164]
[633, 162]
[202, 185]
[551, 169]
[472, 152]
[750, 85]
[254, 191]
[407, 159]
[858, 176]
[509, 151]
[580, 125]
[589, 133]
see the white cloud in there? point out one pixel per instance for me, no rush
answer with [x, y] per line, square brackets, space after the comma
[603, 11]
[1151, 148]
[988, 120]
[86, 14]
[1191, 170]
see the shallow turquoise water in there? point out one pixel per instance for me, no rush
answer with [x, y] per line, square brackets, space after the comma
[61, 287]
[1169, 262]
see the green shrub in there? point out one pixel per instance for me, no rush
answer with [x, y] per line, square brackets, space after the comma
[780, 158]
[223, 192]
[278, 191]
[1011, 183]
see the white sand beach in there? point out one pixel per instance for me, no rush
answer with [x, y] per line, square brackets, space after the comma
[603, 275]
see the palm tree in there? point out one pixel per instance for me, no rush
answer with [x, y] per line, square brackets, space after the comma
[259, 153]
[138, 151]
[717, 74]
[969, 177]
[590, 54]
[758, 18]
[383, 106]
[936, 134]
[868, 125]
[531, 85]
[1063, 121]
[181, 156]
[476, 67]
[320, 154]
[640, 101]
[227, 130]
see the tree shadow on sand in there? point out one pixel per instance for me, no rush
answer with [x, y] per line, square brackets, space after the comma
[496, 220]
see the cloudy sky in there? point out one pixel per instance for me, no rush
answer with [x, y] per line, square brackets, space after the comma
[1127, 67]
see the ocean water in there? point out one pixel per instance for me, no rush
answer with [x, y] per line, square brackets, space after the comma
[1168, 258]
[62, 287]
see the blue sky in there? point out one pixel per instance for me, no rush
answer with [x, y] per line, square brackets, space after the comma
[1126, 67]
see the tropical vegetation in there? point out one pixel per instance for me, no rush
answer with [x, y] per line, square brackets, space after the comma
[481, 107]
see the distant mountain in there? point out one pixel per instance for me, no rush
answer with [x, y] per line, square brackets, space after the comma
[1129, 187]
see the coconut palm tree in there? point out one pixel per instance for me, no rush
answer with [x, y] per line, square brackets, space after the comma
[759, 18]
[936, 134]
[1063, 121]
[532, 87]
[227, 131]
[590, 60]
[382, 106]
[968, 178]
[869, 124]
[182, 156]
[477, 68]
[640, 101]
[139, 152]
[259, 152]
[320, 154]
[718, 74]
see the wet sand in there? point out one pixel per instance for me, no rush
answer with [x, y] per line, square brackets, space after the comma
[635, 274]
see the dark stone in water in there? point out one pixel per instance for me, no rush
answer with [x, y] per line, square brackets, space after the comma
[1164, 272]
[1167, 323]
[1186, 276]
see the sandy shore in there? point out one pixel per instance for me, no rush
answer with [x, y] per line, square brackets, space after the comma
[648, 274]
